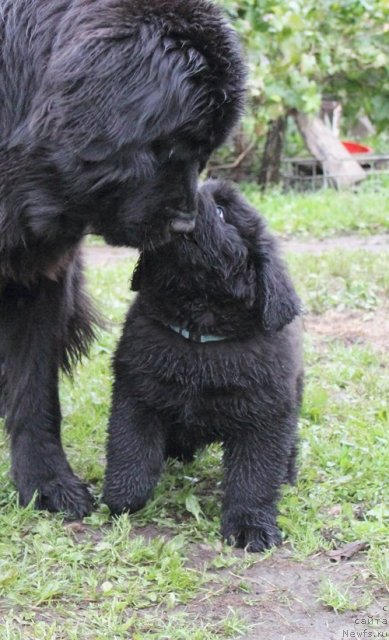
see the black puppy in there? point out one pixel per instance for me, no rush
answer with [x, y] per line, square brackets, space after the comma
[211, 351]
[108, 111]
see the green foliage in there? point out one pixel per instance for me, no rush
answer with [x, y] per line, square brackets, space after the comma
[300, 50]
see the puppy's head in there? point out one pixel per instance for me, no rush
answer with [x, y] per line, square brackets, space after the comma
[230, 258]
[273, 290]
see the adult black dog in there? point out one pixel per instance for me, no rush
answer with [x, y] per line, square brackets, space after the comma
[211, 351]
[107, 110]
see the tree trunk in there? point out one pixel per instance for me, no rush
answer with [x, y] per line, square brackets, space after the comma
[240, 144]
[339, 167]
[331, 115]
[270, 172]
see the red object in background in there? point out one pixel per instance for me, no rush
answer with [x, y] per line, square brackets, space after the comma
[355, 147]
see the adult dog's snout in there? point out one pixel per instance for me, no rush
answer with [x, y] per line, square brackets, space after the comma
[183, 222]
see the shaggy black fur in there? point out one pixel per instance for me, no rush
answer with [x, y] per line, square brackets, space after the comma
[107, 110]
[173, 395]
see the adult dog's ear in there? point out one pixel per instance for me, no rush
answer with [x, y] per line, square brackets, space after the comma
[279, 302]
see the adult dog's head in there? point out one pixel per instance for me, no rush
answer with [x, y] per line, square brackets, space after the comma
[225, 278]
[134, 98]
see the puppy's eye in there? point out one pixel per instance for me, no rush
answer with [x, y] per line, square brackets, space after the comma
[166, 156]
[220, 212]
[163, 153]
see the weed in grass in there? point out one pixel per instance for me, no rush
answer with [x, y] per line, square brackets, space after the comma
[379, 565]
[341, 600]
[233, 625]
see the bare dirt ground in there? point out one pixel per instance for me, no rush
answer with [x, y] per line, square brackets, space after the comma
[100, 256]
[278, 597]
[351, 327]
[375, 243]
[97, 256]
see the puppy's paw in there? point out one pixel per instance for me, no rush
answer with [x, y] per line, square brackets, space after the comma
[122, 502]
[255, 539]
[64, 493]
[254, 534]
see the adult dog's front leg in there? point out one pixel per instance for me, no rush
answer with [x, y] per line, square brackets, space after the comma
[2, 388]
[31, 329]
[135, 453]
[254, 470]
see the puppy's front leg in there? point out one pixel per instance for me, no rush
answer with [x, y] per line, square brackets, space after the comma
[254, 471]
[135, 453]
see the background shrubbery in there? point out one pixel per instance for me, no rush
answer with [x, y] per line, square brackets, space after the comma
[301, 51]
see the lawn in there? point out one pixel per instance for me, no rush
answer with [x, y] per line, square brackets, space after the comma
[163, 573]
[324, 213]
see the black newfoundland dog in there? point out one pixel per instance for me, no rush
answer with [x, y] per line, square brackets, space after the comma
[108, 111]
[211, 351]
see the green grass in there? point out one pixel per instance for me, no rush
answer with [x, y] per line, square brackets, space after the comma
[341, 280]
[344, 431]
[134, 577]
[323, 213]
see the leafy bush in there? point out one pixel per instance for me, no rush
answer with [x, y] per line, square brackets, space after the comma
[300, 50]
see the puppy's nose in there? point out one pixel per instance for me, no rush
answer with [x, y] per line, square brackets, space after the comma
[183, 222]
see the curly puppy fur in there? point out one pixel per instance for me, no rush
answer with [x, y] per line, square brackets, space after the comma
[173, 395]
[107, 110]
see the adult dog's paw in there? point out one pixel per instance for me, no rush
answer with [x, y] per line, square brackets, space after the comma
[64, 493]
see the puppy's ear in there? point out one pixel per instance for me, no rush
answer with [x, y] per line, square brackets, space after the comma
[136, 280]
[279, 302]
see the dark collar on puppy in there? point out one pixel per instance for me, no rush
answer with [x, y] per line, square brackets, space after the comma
[196, 337]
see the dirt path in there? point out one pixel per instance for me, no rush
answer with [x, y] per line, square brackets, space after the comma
[374, 243]
[101, 256]
[351, 327]
[98, 256]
